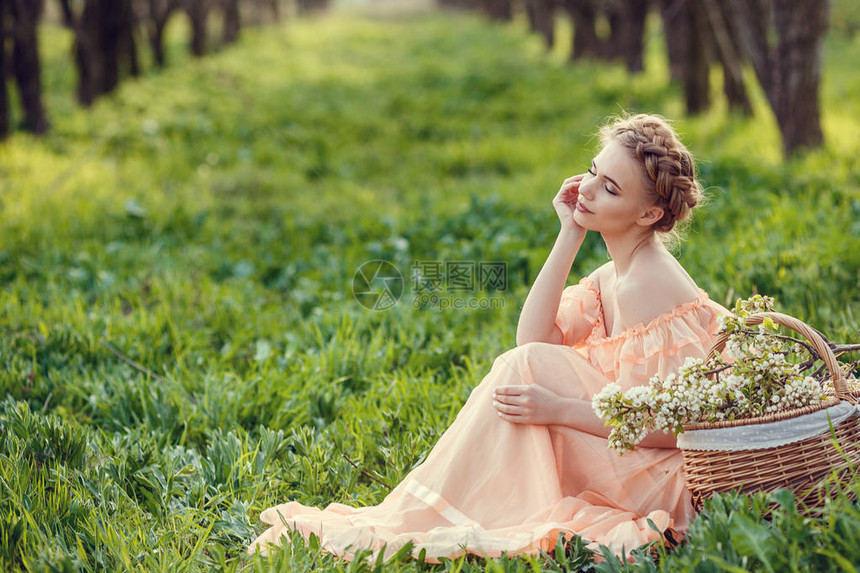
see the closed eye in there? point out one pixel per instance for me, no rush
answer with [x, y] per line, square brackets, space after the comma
[610, 179]
[608, 189]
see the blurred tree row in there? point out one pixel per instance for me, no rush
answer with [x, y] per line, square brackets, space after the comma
[781, 40]
[107, 39]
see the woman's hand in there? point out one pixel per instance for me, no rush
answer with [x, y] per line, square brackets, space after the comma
[565, 205]
[528, 404]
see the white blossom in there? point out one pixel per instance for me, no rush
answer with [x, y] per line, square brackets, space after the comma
[758, 380]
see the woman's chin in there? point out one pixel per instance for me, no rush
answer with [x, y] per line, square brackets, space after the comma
[581, 219]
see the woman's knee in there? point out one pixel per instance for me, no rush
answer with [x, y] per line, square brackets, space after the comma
[524, 359]
[545, 364]
[537, 352]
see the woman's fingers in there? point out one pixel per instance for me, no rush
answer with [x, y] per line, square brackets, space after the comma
[569, 191]
[567, 187]
[511, 399]
[508, 409]
[570, 181]
[508, 399]
[509, 390]
[508, 394]
[512, 402]
[526, 404]
[512, 418]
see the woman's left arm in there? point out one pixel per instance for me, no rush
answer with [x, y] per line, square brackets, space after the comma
[535, 404]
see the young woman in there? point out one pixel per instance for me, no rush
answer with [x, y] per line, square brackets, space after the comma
[526, 457]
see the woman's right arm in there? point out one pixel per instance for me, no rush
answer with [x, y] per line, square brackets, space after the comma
[537, 318]
[578, 414]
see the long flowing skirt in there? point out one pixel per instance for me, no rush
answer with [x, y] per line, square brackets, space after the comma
[490, 486]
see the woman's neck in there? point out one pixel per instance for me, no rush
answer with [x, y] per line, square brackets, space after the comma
[623, 248]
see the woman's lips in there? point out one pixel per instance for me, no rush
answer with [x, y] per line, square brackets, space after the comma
[581, 208]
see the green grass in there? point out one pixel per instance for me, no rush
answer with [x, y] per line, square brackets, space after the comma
[206, 221]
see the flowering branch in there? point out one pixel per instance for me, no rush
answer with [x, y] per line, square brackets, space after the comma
[765, 375]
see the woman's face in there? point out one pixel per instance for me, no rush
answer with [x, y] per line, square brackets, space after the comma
[612, 195]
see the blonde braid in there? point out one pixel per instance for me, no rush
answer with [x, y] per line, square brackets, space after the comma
[668, 165]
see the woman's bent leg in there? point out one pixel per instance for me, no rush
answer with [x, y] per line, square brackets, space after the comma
[491, 485]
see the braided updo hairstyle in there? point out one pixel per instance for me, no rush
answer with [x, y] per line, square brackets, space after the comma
[670, 174]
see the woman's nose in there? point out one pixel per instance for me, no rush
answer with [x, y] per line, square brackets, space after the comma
[585, 188]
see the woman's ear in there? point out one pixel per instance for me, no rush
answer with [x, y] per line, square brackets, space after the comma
[650, 216]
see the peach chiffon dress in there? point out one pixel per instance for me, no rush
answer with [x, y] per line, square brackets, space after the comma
[490, 486]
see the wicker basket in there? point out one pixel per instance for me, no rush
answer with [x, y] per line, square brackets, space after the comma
[799, 466]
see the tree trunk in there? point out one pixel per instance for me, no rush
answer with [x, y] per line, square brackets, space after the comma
[198, 12]
[198, 35]
[725, 41]
[127, 43]
[231, 21]
[542, 19]
[685, 28]
[159, 12]
[801, 26]
[626, 20]
[156, 44]
[108, 49]
[628, 33]
[89, 66]
[4, 95]
[676, 31]
[531, 9]
[610, 45]
[784, 40]
[457, 4]
[26, 66]
[586, 44]
[500, 10]
[310, 6]
[697, 85]
[98, 36]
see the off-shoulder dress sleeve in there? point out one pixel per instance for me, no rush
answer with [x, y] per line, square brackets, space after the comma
[578, 311]
[659, 347]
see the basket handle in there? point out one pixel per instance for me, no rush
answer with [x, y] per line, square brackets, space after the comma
[809, 333]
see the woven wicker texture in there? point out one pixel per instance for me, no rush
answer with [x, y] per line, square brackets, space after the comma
[799, 466]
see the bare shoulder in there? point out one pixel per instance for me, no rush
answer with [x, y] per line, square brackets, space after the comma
[601, 274]
[656, 285]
